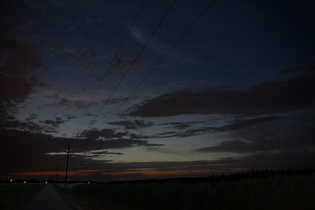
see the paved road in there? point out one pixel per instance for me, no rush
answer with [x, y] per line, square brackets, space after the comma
[48, 199]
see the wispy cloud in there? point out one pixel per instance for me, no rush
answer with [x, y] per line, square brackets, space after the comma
[55, 122]
[135, 124]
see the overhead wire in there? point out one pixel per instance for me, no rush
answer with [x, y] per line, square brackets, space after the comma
[167, 53]
[111, 63]
[132, 63]
[158, 63]
[75, 130]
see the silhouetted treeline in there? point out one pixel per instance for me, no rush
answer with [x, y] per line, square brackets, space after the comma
[255, 189]
[233, 176]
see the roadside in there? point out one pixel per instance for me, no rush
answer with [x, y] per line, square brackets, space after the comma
[17, 195]
[48, 198]
[79, 201]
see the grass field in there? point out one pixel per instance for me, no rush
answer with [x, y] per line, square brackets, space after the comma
[271, 192]
[15, 195]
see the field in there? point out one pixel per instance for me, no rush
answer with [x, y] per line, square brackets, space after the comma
[14, 195]
[277, 191]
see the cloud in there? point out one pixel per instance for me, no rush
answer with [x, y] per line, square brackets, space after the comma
[229, 146]
[19, 59]
[265, 98]
[87, 145]
[303, 69]
[18, 62]
[54, 123]
[23, 151]
[27, 126]
[243, 123]
[69, 98]
[135, 124]
[163, 150]
[103, 133]
[119, 100]
[111, 139]
[102, 152]
[194, 128]
[180, 125]
[299, 158]
[282, 134]
[32, 117]
[68, 103]
[20, 151]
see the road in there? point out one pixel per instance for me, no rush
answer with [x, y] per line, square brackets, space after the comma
[48, 199]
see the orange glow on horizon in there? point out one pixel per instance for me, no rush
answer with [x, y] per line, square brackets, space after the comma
[150, 173]
[49, 173]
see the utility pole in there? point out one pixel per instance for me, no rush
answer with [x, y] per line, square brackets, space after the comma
[66, 179]
[56, 174]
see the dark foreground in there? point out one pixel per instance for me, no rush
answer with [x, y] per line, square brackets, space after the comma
[273, 191]
[48, 198]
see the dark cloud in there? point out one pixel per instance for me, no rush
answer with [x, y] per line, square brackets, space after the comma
[283, 134]
[188, 129]
[304, 69]
[70, 117]
[243, 123]
[24, 151]
[120, 100]
[230, 146]
[87, 145]
[265, 98]
[60, 101]
[163, 150]
[180, 133]
[95, 154]
[298, 158]
[179, 125]
[54, 123]
[135, 124]
[32, 117]
[17, 63]
[109, 138]
[27, 126]
[104, 133]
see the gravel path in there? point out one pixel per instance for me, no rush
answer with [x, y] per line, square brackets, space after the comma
[48, 199]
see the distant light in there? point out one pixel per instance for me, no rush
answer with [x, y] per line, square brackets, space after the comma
[11, 180]
[88, 182]
[24, 182]
[46, 183]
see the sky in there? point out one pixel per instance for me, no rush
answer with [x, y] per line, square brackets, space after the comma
[155, 89]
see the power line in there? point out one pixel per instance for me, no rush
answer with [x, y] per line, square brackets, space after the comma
[132, 63]
[159, 62]
[167, 53]
[112, 61]
[68, 154]
[100, 82]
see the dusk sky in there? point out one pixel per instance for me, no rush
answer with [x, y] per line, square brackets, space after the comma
[155, 88]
